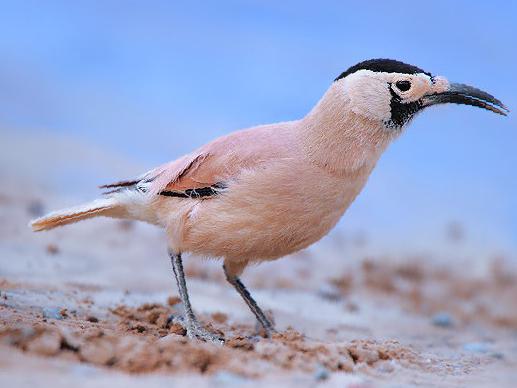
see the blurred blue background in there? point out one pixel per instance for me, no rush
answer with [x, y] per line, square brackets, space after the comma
[153, 80]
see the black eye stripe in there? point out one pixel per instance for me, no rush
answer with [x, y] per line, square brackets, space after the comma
[403, 86]
[401, 112]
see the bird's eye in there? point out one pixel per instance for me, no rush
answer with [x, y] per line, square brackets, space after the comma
[403, 86]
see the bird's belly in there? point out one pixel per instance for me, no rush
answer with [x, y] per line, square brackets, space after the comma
[263, 218]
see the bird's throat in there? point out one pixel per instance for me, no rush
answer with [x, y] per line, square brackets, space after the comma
[340, 141]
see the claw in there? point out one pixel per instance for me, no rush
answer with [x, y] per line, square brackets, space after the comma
[196, 331]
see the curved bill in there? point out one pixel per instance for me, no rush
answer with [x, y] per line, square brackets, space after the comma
[466, 95]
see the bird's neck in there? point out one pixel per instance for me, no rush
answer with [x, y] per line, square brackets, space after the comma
[338, 140]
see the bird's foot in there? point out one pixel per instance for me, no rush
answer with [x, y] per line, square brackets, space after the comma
[264, 331]
[264, 326]
[196, 331]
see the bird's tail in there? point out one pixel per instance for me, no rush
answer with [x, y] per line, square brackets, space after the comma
[110, 207]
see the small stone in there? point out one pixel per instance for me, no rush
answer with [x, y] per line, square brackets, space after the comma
[92, 319]
[52, 249]
[476, 347]
[52, 313]
[329, 292]
[321, 373]
[173, 300]
[219, 317]
[442, 319]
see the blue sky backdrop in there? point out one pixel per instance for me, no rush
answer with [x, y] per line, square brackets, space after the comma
[154, 79]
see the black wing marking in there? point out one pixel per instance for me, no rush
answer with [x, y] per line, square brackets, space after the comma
[139, 184]
[202, 192]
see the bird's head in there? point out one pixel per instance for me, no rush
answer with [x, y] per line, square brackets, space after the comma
[392, 92]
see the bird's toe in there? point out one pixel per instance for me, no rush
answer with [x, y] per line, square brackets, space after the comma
[196, 331]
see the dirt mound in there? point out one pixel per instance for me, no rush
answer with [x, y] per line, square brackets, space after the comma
[144, 339]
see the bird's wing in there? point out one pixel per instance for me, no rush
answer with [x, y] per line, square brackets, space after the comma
[211, 166]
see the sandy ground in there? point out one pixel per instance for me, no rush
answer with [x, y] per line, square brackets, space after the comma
[88, 305]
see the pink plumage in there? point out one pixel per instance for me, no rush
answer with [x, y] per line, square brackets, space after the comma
[265, 192]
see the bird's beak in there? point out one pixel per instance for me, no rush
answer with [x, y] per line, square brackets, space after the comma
[467, 95]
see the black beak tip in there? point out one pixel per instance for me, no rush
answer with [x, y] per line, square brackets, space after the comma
[468, 95]
[499, 109]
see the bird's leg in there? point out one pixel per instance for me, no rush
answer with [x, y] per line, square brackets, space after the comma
[255, 309]
[191, 324]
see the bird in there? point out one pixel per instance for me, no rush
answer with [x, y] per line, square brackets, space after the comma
[262, 193]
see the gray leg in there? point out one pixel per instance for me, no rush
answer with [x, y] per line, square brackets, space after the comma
[255, 309]
[193, 327]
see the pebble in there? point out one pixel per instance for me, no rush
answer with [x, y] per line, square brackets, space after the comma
[477, 347]
[321, 373]
[91, 318]
[443, 320]
[329, 292]
[52, 312]
[52, 249]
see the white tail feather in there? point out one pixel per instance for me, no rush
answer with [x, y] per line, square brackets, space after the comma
[101, 207]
